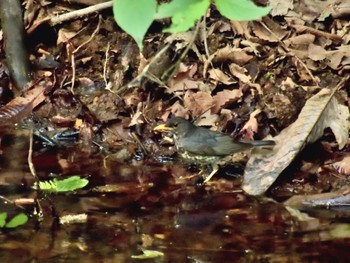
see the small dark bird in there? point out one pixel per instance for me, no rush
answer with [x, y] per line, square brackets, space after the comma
[203, 146]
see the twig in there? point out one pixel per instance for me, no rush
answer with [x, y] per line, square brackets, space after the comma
[316, 32]
[78, 13]
[105, 63]
[136, 81]
[30, 156]
[78, 48]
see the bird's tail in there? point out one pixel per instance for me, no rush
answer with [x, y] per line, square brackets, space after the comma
[260, 143]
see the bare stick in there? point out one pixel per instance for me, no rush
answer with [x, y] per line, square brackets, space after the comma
[78, 48]
[78, 13]
[30, 156]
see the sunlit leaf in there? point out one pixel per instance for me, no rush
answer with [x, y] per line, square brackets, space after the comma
[18, 220]
[3, 217]
[69, 184]
[242, 10]
[188, 15]
[149, 254]
[135, 17]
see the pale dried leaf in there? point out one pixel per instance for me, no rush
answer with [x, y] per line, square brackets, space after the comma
[304, 39]
[235, 55]
[239, 72]
[280, 7]
[225, 97]
[343, 166]
[268, 30]
[316, 52]
[220, 76]
[184, 80]
[251, 126]
[198, 103]
[321, 111]
[65, 35]
[207, 119]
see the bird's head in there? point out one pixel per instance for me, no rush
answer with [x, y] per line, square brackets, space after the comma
[176, 125]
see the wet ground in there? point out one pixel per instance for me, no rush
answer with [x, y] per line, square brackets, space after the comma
[143, 204]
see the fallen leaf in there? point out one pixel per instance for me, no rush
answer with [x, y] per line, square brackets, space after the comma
[343, 166]
[220, 76]
[198, 103]
[239, 72]
[280, 7]
[320, 111]
[251, 126]
[224, 98]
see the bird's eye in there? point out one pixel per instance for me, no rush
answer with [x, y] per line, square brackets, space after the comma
[175, 124]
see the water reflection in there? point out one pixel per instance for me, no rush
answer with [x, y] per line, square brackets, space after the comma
[137, 205]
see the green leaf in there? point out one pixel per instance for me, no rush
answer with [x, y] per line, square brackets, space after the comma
[170, 9]
[18, 220]
[187, 16]
[135, 17]
[3, 219]
[69, 184]
[241, 10]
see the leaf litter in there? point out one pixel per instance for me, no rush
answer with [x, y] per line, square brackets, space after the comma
[274, 77]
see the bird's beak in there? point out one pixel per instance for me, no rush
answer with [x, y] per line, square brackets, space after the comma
[162, 127]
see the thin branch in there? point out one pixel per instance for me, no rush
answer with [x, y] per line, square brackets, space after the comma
[79, 13]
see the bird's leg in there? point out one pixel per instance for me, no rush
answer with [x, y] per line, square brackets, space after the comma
[215, 168]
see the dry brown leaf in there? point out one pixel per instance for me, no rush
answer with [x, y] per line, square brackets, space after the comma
[178, 110]
[316, 52]
[207, 119]
[218, 75]
[225, 97]
[320, 111]
[235, 55]
[221, 26]
[304, 39]
[268, 30]
[184, 80]
[343, 166]
[240, 73]
[198, 103]
[280, 7]
[21, 107]
[65, 35]
[251, 126]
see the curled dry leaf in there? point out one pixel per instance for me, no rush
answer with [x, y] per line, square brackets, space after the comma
[184, 80]
[229, 53]
[320, 111]
[251, 126]
[240, 73]
[225, 97]
[280, 7]
[218, 75]
[268, 30]
[343, 166]
[21, 107]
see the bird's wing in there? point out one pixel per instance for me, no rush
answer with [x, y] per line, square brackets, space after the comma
[206, 142]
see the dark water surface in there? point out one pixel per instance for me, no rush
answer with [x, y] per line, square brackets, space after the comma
[134, 205]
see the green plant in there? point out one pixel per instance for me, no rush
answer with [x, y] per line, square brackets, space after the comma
[16, 221]
[69, 184]
[136, 16]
